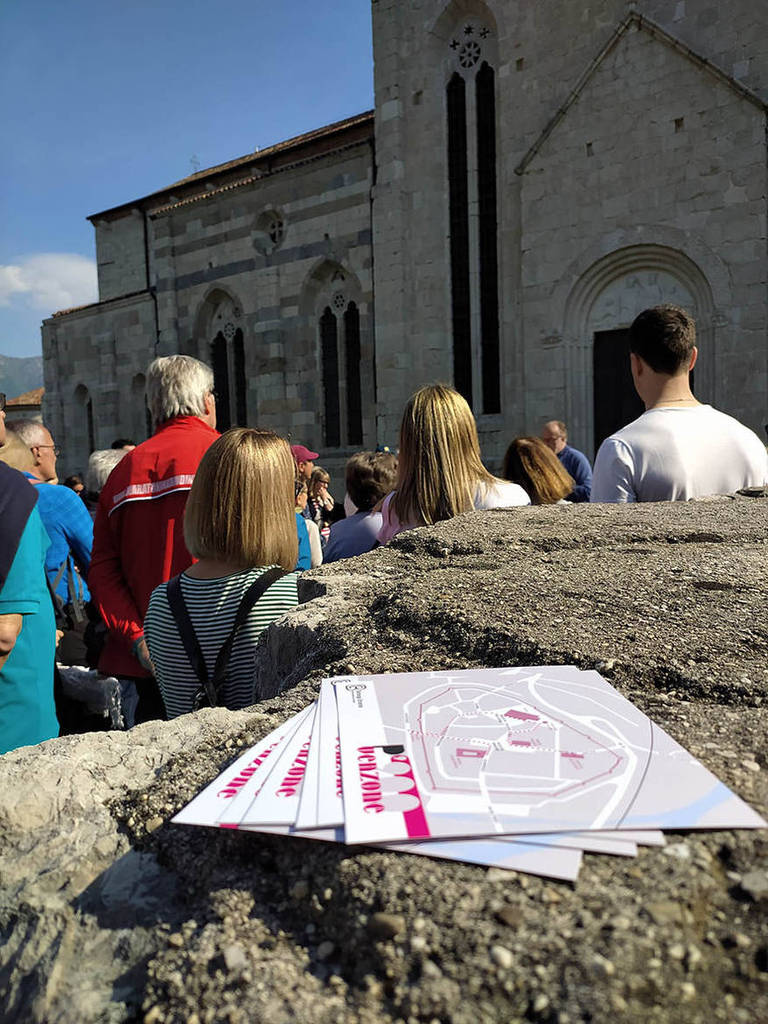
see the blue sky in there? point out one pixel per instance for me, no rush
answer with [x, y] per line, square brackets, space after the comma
[101, 103]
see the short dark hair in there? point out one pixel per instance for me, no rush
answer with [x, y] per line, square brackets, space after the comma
[121, 442]
[369, 477]
[664, 338]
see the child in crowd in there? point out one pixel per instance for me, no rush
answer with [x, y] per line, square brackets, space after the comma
[531, 464]
[320, 504]
[440, 472]
[369, 477]
[313, 531]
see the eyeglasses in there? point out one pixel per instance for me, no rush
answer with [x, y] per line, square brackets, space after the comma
[55, 447]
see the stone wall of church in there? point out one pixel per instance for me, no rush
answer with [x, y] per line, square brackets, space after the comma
[264, 258]
[650, 187]
[99, 355]
[656, 175]
[120, 253]
[628, 171]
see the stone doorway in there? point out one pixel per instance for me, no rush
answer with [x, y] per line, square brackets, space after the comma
[605, 299]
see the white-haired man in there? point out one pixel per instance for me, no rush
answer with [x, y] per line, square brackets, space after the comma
[138, 534]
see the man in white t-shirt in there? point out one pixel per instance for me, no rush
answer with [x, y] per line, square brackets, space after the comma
[678, 449]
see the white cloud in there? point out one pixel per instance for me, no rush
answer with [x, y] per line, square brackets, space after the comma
[49, 281]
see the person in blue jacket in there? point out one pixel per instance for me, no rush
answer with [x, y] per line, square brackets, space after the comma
[65, 517]
[555, 436]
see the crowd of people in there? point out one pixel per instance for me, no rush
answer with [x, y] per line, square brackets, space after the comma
[167, 562]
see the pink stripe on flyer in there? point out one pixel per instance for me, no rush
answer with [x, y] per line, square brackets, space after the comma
[416, 821]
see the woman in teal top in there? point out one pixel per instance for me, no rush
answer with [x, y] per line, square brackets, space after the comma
[27, 710]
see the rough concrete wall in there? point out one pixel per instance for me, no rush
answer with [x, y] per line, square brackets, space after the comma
[120, 255]
[103, 350]
[111, 913]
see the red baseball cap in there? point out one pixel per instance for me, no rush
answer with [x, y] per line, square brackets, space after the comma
[302, 454]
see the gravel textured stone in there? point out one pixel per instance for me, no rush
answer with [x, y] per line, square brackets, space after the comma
[107, 916]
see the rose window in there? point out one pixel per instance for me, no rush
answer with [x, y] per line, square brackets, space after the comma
[275, 231]
[469, 54]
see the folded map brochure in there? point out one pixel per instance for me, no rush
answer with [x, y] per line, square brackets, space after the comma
[517, 768]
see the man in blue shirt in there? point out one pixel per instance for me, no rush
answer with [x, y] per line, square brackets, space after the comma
[555, 436]
[65, 517]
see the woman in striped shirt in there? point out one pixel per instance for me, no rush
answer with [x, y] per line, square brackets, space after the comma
[239, 522]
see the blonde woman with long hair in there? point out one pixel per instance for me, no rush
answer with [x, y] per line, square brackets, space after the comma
[240, 524]
[440, 472]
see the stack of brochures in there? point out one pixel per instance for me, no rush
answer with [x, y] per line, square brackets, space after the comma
[517, 768]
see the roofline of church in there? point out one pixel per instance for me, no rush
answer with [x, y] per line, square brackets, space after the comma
[142, 292]
[260, 159]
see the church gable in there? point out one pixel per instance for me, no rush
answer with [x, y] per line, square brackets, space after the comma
[650, 138]
[648, 187]
[635, 23]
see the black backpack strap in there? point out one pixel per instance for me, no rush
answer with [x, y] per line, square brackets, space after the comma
[74, 603]
[60, 574]
[192, 645]
[75, 594]
[248, 600]
[189, 638]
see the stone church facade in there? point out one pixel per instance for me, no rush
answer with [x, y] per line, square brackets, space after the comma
[532, 177]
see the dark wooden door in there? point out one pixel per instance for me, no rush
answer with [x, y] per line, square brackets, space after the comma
[616, 403]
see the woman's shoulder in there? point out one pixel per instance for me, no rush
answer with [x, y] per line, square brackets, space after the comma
[500, 494]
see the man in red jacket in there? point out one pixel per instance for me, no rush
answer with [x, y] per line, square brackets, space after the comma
[138, 539]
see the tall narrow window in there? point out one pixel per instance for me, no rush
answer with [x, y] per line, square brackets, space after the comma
[89, 425]
[238, 353]
[330, 361]
[354, 396]
[459, 230]
[487, 241]
[472, 215]
[221, 380]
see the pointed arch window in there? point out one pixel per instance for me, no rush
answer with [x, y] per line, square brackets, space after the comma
[87, 426]
[354, 393]
[330, 355]
[230, 384]
[220, 364]
[340, 354]
[472, 215]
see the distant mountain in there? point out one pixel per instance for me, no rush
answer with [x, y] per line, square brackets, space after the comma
[20, 374]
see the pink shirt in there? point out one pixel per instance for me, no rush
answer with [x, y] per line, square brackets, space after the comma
[499, 494]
